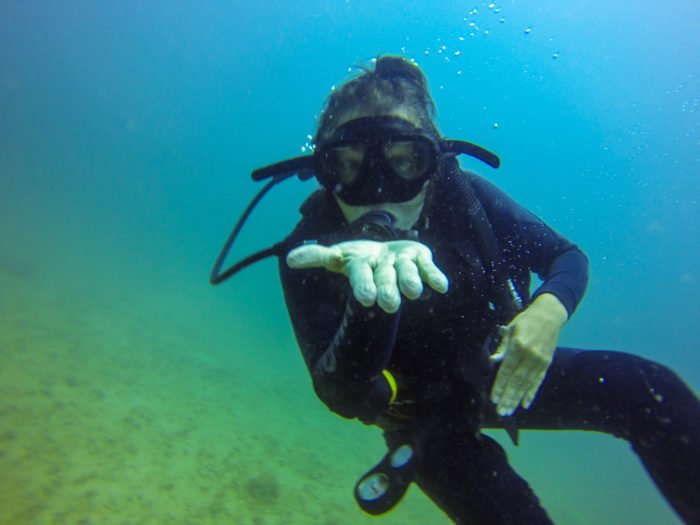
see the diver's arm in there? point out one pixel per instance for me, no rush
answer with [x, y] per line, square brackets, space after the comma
[348, 376]
[345, 345]
[529, 340]
[530, 245]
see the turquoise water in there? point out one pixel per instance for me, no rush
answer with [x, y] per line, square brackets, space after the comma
[131, 391]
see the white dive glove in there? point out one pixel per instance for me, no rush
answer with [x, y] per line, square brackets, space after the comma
[378, 271]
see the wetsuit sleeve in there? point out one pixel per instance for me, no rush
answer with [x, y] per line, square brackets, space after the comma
[345, 345]
[528, 244]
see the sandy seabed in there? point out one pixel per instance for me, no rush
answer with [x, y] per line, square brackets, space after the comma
[114, 412]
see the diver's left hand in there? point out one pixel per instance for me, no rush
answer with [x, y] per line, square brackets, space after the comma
[526, 352]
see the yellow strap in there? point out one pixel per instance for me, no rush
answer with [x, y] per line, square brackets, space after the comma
[392, 384]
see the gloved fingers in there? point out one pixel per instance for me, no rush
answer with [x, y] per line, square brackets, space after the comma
[361, 279]
[388, 296]
[518, 383]
[502, 389]
[408, 277]
[500, 353]
[506, 369]
[429, 271]
[532, 393]
[315, 256]
[511, 359]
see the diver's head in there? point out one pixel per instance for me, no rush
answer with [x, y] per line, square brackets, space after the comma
[377, 146]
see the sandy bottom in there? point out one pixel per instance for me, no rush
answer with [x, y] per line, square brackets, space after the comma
[113, 411]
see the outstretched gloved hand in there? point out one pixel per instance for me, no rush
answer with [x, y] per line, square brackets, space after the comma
[526, 350]
[378, 271]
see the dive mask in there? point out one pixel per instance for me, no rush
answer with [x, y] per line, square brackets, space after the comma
[376, 159]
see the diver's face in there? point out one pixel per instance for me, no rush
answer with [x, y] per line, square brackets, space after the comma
[349, 160]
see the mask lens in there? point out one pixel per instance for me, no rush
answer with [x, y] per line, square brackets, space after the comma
[410, 159]
[342, 164]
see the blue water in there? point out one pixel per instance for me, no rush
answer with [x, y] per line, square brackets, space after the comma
[127, 133]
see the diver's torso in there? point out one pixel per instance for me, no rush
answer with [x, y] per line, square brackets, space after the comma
[440, 341]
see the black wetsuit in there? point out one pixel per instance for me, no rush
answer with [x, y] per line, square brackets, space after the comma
[435, 348]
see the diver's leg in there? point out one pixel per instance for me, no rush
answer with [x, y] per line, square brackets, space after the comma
[633, 398]
[470, 479]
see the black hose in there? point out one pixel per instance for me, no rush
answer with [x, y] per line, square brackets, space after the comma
[216, 277]
[487, 245]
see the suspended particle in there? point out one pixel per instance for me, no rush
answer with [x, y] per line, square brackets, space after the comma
[502, 20]
[457, 53]
[492, 5]
[459, 72]
[555, 55]
[495, 125]
[528, 30]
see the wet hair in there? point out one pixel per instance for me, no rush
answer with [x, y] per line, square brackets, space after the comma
[394, 82]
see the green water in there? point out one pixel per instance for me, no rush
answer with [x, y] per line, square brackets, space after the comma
[131, 391]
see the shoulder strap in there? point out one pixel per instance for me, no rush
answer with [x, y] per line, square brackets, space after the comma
[506, 299]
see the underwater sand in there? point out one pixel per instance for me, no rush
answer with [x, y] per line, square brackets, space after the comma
[120, 410]
[111, 414]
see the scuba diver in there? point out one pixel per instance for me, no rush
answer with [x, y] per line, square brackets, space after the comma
[407, 281]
